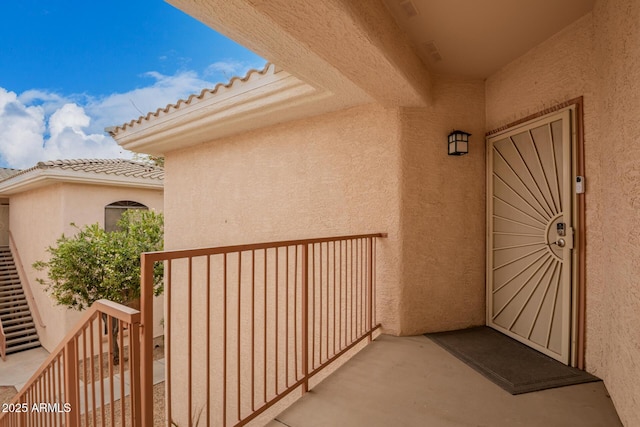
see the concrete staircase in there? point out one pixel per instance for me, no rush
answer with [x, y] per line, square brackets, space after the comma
[15, 317]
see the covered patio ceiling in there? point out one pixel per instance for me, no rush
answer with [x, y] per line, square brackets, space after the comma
[475, 38]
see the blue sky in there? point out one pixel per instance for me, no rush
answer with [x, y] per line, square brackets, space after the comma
[70, 68]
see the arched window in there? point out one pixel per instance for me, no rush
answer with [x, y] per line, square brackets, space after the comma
[113, 212]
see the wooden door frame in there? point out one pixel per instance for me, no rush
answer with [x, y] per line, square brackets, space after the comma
[578, 317]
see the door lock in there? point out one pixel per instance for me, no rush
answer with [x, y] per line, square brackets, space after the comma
[561, 229]
[561, 243]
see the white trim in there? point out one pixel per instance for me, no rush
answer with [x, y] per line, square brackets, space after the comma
[267, 100]
[41, 177]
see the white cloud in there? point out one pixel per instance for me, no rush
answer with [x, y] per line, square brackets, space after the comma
[28, 136]
[118, 108]
[38, 125]
[230, 68]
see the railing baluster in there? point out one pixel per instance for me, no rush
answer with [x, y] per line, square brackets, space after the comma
[334, 297]
[208, 332]
[264, 364]
[239, 337]
[120, 339]
[189, 336]
[305, 318]
[62, 398]
[320, 307]
[327, 307]
[167, 347]
[286, 332]
[277, 331]
[224, 340]
[340, 292]
[111, 382]
[313, 306]
[295, 312]
[134, 356]
[253, 332]
[93, 375]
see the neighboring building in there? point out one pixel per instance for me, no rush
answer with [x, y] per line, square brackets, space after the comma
[352, 139]
[41, 203]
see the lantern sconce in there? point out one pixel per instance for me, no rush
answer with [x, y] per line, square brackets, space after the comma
[458, 143]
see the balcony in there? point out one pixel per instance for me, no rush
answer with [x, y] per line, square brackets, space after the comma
[411, 381]
[250, 328]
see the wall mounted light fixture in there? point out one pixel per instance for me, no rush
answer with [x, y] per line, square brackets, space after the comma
[458, 143]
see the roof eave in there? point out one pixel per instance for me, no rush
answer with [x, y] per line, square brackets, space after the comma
[275, 98]
[42, 177]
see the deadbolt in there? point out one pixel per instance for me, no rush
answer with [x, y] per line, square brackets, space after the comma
[560, 229]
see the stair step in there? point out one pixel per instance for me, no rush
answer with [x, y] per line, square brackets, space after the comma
[11, 284]
[6, 310]
[11, 318]
[23, 347]
[8, 273]
[21, 339]
[19, 320]
[14, 310]
[21, 332]
[10, 293]
[10, 303]
[16, 327]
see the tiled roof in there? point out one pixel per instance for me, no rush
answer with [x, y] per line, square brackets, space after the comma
[7, 172]
[251, 75]
[114, 167]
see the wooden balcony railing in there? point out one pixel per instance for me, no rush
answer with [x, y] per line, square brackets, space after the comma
[80, 383]
[247, 325]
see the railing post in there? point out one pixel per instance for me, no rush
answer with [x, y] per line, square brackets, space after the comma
[71, 392]
[134, 356]
[146, 365]
[305, 318]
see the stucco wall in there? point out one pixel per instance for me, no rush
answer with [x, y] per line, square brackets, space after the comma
[334, 175]
[443, 227]
[597, 58]
[38, 217]
[613, 311]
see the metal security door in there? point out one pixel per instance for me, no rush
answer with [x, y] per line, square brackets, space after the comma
[530, 234]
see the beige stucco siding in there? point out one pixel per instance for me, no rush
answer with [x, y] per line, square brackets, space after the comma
[613, 266]
[442, 206]
[597, 58]
[337, 174]
[36, 222]
[40, 216]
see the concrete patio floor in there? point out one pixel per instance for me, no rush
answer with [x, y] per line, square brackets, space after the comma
[411, 381]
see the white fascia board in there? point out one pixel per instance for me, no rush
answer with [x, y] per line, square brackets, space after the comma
[266, 102]
[42, 177]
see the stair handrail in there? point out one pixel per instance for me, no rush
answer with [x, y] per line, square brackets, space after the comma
[3, 343]
[118, 311]
[24, 279]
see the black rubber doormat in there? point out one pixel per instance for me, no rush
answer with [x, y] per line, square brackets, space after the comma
[508, 363]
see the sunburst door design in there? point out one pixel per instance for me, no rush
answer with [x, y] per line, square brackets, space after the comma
[531, 234]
